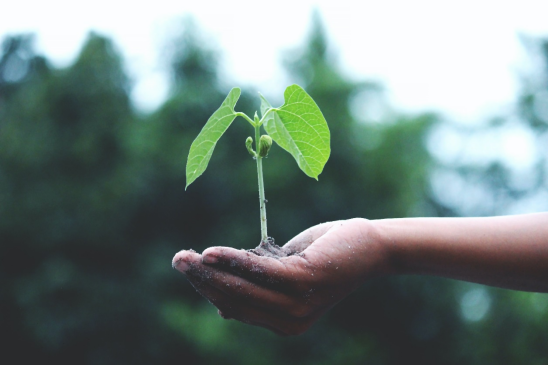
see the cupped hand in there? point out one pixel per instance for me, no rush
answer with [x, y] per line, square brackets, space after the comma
[288, 294]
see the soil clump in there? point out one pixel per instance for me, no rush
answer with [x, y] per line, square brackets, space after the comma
[270, 249]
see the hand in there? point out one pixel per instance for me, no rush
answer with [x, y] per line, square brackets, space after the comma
[287, 295]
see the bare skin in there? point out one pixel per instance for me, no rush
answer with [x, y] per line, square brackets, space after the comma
[287, 295]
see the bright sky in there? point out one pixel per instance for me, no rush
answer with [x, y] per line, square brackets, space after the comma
[458, 57]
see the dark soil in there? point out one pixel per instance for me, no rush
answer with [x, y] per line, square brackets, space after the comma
[270, 249]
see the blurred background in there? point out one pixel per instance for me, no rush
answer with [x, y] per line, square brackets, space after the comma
[435, 109]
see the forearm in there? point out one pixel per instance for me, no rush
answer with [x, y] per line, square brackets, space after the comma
[506, 251]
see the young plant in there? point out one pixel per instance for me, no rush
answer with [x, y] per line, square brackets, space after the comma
[298, 126]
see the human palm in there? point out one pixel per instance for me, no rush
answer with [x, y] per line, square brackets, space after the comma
[288, 294]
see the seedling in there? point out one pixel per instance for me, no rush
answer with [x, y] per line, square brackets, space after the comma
[298, 126]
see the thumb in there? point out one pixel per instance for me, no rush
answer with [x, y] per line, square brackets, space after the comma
[303, 240]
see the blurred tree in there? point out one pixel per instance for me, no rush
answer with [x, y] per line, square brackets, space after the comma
[533, 100]
[18, 64]
[524, 188]
[495, 168]
[65, 196]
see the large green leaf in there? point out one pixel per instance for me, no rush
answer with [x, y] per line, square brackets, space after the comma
[300, 128]
[202, 147]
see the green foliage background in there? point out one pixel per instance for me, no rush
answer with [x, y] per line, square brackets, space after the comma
[93, 208]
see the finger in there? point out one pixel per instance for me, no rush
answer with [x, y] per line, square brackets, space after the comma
[190, 263]
[279, 299]
[186, 259]
[307, 237]
[232, 309]
[226, 306]
[258, 269]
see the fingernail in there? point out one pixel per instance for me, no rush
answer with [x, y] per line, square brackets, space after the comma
[209, 259]
[180, 265]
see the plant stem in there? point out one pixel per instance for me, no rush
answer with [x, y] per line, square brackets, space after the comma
[241, 114]
[264, 235]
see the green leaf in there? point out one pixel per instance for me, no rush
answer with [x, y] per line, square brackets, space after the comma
[202, 147]
[299, 127]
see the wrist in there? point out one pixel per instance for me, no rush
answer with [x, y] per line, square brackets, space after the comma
[378, 251]
[387, 233]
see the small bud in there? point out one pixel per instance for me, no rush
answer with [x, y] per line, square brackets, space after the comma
[265, 143]
[256, 118]
[248, 143]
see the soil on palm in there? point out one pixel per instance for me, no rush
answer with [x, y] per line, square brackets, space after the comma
[270, 249]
